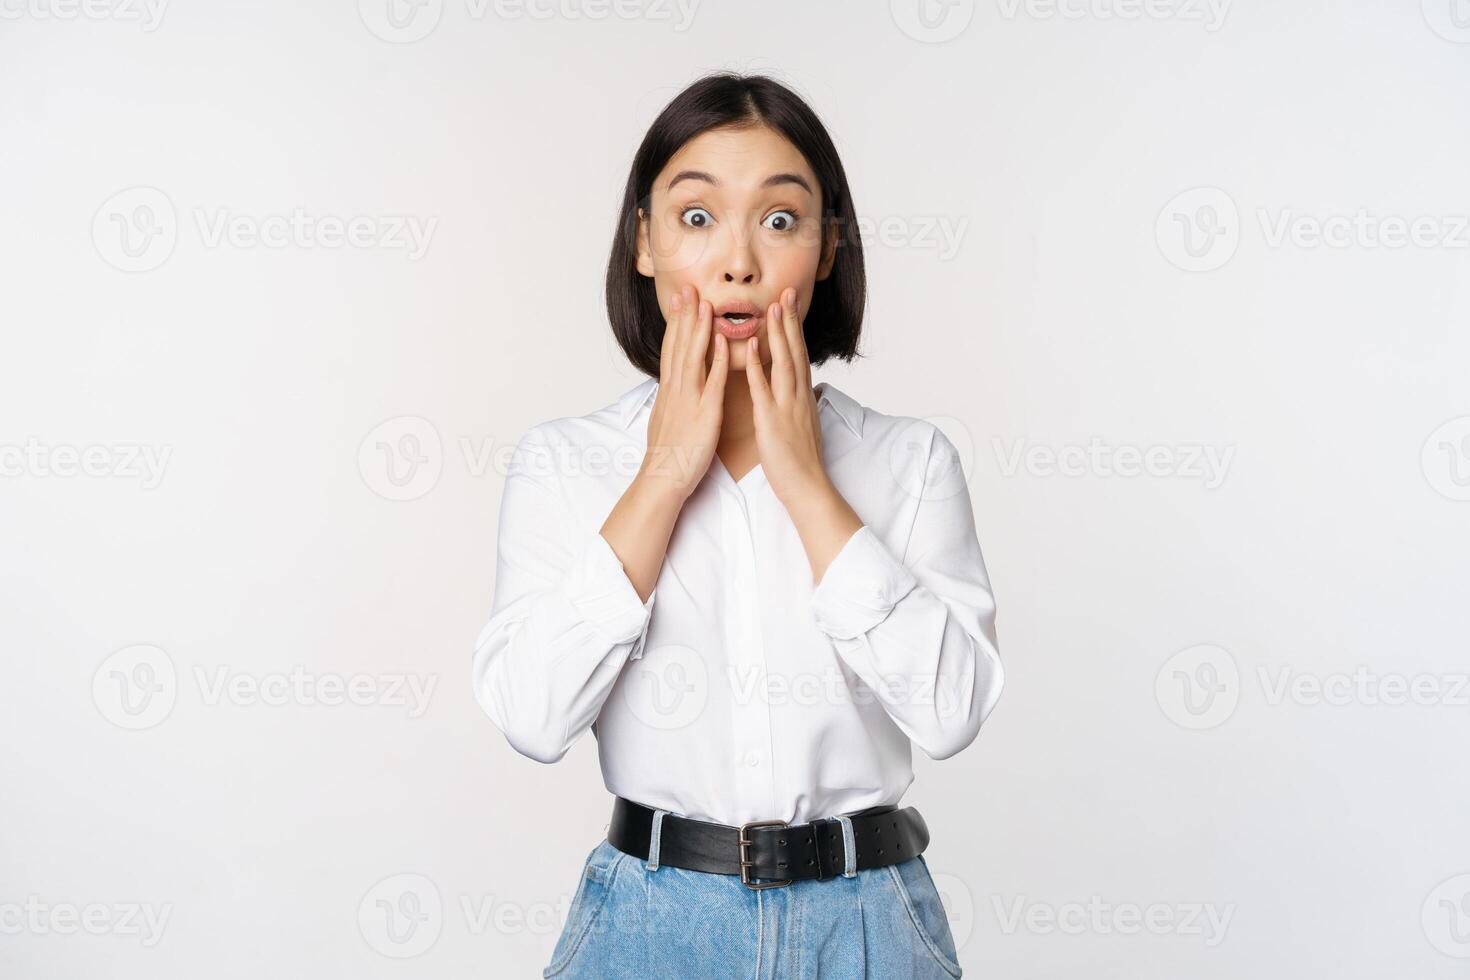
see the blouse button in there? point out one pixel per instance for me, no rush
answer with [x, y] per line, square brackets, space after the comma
[752, 760]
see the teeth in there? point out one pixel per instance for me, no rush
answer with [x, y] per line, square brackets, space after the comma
[737, 317]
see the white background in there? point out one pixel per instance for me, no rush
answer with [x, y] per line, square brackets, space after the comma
[1054, 143]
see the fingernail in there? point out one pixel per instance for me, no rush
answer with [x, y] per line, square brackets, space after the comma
[674, 303]
[791, 298]
[774, 313]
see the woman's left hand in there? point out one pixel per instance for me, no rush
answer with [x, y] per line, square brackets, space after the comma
[788, 430]
[788, 435]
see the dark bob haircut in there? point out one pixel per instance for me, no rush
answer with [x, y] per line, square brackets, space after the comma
[835, 319]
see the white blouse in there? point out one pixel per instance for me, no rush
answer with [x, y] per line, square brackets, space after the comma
[738, 691]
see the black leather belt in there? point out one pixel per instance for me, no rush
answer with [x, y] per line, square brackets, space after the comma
[771, 849]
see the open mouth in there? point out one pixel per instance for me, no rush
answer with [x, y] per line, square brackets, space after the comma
[738, 324]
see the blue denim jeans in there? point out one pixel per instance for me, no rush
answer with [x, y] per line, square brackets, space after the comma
[632, 918]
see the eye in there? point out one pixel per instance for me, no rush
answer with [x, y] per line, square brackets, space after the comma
[784, 220]
[695, 213]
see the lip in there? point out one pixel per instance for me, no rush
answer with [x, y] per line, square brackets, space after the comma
[739, 331]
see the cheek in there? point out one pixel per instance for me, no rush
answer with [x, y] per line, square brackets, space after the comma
[793, 265]
[676, 248]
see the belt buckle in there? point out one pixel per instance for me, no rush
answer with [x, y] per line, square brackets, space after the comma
[743, 845]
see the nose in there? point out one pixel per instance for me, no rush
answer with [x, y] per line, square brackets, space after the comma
[740, 264]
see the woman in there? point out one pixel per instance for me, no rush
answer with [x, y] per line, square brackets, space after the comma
[758, 594]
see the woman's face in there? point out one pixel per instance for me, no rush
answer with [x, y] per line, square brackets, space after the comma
[736, 214]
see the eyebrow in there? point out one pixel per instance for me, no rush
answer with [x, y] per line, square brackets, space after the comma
[774, 180]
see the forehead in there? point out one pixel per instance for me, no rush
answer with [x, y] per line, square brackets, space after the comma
[739, 159]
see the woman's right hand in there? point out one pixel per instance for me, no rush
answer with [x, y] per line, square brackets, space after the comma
[684, 428]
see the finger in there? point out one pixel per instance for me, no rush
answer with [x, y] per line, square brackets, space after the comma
[666, 346]
[782, 378]
[755, 377]
[681, 338]
[719, 370]
[796, 343]
[698, 345]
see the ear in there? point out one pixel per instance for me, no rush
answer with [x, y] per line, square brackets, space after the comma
[645, 254]
[829, 250]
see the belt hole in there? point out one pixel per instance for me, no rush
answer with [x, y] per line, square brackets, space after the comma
[780, 864]
[808, 861]
[781, 841]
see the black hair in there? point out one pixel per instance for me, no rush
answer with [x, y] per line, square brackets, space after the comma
[834, 321]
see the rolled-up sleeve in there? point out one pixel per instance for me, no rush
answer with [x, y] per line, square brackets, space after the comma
[920, 631]
[564, 616]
